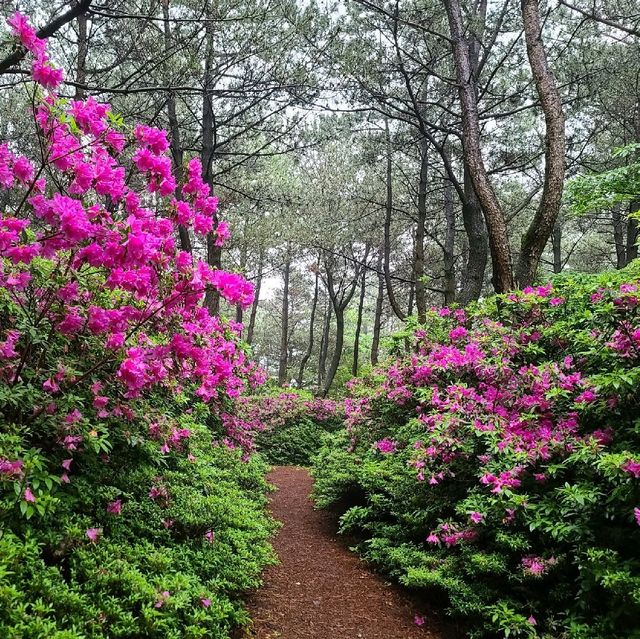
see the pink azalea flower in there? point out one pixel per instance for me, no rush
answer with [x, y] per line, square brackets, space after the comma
[476, 517]
[205, 602]
[210, 536]
[636, 514]
[29, 496]
[419, 620]
[93, 534]
[114, 507]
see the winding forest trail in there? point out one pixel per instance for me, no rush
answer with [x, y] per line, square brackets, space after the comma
[320, 590]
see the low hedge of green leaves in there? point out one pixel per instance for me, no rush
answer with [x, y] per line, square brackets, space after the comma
[497, 465]
[173, 567]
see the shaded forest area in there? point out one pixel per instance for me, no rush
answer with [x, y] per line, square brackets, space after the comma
[372, 159]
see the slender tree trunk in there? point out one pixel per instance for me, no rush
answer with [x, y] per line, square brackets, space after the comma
[284, 334]
[243, 266]
[449, 245]
[387, 229]
[256, 299]
[556, 243]
[618, 237]
[356, 341]
[418, 264]
[494, 216]
[312, 320]
[177, 152]
[541, 227]
[377, 320]
[214, 253]
[632, 232]
[337, 353]
[324, 346]
[83, 50]
[478, 250]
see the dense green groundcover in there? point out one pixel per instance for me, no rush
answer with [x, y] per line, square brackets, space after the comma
[173, 567]
[498, 464]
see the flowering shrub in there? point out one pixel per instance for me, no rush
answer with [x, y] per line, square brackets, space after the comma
[114, 382]
[498, 462]
[289, 426]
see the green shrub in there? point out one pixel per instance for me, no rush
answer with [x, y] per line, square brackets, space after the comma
[498, 464]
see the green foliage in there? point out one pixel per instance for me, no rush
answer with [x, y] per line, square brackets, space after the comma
[56, 583]
[551, 556]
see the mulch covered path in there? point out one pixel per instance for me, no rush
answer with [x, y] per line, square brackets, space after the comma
[321, 590]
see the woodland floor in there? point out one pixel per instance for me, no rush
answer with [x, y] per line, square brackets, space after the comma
[321, 590]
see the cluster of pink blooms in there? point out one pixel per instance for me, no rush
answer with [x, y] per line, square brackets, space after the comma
[475, 385]
[274, 411]
[117, 282]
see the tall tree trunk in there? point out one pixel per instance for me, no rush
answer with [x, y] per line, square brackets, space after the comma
[214, 253]
[312, 320]
[377, 319]
[83, 50]
[418, 263]
[177, 152]
[256, 299]
[633, 234]
[387, 229]
[284, 333]
[449, 245]
[494, 216]
[537, 235]
[618, 237]
[324, 346]
[337, 352]
[356, 341]
[243, 266]
[478, 252]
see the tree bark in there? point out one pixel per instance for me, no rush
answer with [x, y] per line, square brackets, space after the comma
[377, 320]
[618, 237]
[418, 264]
[632, 232]
[556, 243]
[177, 152]
[324, 346]
[356, 341]
[284, 331]
[541, 227]
[478, 252]
[467, 89]
[214, 253]
[312, 320]
[83, 50]
[387, 229]
[449, 245]
[256, 299]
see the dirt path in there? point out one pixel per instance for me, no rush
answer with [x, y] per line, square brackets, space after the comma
[321, 590]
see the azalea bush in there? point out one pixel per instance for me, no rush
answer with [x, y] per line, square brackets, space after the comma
[289, 426]
[129, 506]
[498, 464]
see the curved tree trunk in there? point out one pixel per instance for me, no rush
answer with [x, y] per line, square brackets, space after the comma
[541, 227]
[494, 216]
[418, 264]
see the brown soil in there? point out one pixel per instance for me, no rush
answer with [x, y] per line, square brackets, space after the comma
[320, 590]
